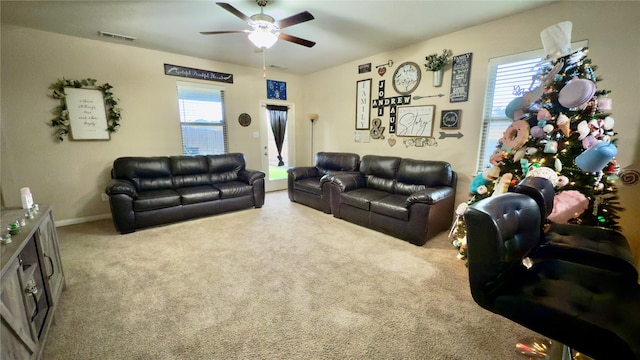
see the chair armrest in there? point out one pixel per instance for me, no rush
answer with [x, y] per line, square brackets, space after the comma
[430, 195]
[348, 181]
[120, 186]
[303, 172]
[250, 176]
[589, 245]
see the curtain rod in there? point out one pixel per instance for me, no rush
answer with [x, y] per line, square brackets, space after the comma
[265, 105]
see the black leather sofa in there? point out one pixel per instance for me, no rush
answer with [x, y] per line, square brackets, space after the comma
[309, 185]
[409, 199]
[150, 191]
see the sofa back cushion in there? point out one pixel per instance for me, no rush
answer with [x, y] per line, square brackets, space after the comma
[225, 167]
[190, 171]
[328, 161]
[416, 175]
[146, 173]
[380, 171]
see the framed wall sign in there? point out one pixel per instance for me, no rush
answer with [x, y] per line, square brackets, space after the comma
[460, 76]
[87, 114]
[450, 119]
[415, 121]
[276, 90]
[363, 104]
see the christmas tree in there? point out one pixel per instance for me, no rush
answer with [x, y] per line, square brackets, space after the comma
[562, 131]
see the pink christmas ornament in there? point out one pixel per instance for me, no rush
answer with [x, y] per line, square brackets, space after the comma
[605, 103]
[567, 205]
[537, 132]
[544, 115]
[589, 141]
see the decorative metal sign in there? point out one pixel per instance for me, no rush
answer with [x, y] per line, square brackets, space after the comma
[192, 73]
[460, 74]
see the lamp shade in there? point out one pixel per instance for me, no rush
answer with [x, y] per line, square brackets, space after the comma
[312, 117]
[263, 38]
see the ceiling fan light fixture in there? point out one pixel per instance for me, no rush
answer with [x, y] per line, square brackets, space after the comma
[263, 39]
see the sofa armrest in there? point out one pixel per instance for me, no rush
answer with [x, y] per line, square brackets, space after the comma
[120, 186]
[430, 195]
[303, 172]
[330, 174]
[348, 181]
[250, 176]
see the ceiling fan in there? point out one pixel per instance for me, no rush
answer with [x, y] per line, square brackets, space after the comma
[265, 30]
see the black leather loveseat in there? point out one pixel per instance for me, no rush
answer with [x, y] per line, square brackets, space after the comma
[409, 199]
[309, 185]
[149, 191]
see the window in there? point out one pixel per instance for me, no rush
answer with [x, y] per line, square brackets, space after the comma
[202, 122]
[503, 76]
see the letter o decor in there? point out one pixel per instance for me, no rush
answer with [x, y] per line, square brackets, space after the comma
[62, 121]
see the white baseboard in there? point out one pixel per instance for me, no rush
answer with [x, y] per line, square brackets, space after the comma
[82, 220]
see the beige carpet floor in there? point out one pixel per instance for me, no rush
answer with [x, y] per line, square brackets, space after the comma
[281, 282]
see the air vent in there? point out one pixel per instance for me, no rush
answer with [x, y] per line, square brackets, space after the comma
[277, 67]
[116, 36]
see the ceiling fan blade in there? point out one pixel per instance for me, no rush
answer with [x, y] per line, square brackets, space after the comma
[223, 32]
[296, 40]
[295, 19]
[234, 11]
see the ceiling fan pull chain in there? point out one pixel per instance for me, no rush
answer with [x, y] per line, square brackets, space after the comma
[264, 67]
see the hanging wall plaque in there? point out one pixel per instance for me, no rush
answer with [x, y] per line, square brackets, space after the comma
[276, 90]
[460, 74]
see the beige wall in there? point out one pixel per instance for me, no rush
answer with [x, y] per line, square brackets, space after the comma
[610, 27]
[73, 174]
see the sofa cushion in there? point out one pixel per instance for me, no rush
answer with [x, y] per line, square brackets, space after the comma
[380, 171]
[327, 162]
[197, 194]
[392, 205]
[156, 199]
[233, 189]
[190, 171]
[407, 189]
[425, 172]
[361, 197]
[225, 167]
[310, 185]
[146, 173]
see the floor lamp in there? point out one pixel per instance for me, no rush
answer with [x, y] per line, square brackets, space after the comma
[313, 118]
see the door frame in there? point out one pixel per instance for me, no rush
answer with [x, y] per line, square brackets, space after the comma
[275, 185]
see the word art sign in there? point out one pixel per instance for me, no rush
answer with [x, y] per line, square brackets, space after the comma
[460, 74]
[87, 114]
[197, 73]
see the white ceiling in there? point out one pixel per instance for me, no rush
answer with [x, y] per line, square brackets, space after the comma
[344, 30]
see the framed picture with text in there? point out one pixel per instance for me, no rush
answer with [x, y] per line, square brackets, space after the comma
[450, 119]
[363, 104]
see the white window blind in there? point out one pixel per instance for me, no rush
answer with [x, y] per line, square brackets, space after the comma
[504, 75]
[202, 120]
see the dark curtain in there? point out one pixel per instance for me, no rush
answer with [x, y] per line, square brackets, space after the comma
[278, 119]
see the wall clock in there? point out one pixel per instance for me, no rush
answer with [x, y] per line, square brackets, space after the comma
[363, 104]
[406, 78]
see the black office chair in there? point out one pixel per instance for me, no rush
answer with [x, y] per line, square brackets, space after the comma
[593, 310]
[590, 245]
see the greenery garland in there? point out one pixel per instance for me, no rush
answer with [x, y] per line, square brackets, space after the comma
[61, 121]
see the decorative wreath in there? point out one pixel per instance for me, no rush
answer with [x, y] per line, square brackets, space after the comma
[61, 121]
